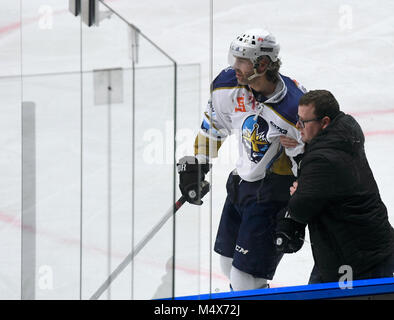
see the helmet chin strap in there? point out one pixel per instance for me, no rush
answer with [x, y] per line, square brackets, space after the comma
[256, 74]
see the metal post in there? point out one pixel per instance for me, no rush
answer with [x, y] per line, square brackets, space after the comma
[108, 90]
[28, 263]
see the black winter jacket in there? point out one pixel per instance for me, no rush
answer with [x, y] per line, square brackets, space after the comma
[338, 198]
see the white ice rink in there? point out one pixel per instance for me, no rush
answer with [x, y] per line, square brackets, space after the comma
[85, 180]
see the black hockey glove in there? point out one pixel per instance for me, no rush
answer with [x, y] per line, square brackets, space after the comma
[191, 176]
[290, 234]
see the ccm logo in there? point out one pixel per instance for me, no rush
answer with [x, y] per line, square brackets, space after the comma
[241, 250]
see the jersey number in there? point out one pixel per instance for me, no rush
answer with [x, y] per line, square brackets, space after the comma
[241, 105]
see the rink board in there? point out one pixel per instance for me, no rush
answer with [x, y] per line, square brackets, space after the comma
[360, 289]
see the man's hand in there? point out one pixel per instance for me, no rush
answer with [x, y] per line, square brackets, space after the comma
[288, 142]
[293, 188]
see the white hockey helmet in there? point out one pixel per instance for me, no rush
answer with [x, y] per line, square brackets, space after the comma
[253, 44]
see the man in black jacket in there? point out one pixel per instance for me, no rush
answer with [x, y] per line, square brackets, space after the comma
[337, 197]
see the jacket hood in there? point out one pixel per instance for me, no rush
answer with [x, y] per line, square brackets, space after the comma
[343, 133]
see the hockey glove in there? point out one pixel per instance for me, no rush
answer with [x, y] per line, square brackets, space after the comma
[290, 234]
[191, 176]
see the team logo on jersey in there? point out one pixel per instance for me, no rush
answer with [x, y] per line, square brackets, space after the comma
[254, 137]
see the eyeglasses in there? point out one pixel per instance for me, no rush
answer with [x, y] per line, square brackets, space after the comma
[302, 122]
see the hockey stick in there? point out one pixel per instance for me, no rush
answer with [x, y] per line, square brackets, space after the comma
[170, 212]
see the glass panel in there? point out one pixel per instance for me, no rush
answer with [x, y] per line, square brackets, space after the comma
[120, 175]
[10, 188]
[107, 45]
[188, 273]
[107, 188]
[153, 179]
[107, 155]
[51, 180]
[50, 38]
[57, 183]
[10, 157]
[10, 53]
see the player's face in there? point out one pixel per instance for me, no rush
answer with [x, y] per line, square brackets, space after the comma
[243, 69]
[308, 125]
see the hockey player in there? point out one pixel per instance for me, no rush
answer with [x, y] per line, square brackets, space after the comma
[254, 101]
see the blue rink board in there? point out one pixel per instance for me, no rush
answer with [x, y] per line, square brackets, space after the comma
[333, 290]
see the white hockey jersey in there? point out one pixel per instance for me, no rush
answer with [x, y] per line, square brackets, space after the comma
[237, 109]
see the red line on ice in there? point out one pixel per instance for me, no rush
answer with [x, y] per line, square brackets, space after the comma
[16, 25]
[16, 223]
[378, 132]
[371, 112]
